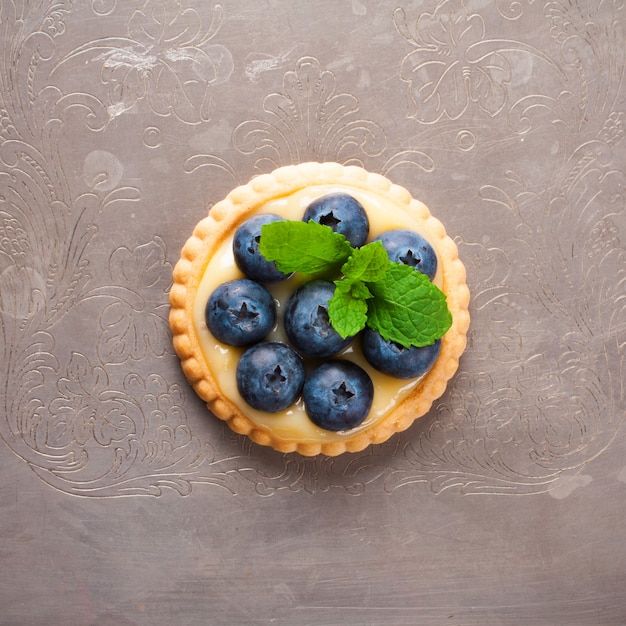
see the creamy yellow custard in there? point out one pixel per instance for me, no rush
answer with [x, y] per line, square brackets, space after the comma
[383, 214]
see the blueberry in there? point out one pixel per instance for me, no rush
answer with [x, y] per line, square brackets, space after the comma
[393, 359]
[343, 213]
[338, 395]
[306, 320]
[406, 246]
[240, 312]
[246, 250]
[270, 376]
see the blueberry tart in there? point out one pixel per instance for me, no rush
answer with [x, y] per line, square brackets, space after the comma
[319, 309]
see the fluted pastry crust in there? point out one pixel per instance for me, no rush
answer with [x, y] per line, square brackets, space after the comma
[225, 216]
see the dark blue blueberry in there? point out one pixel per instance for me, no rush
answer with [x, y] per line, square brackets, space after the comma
[240, 312]
[306, 320]
[246, 250]
[406, 246]
[270, 376]
[343, 213]
[393, 359]
[338, 395]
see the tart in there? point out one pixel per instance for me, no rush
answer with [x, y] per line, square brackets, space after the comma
[207, 262]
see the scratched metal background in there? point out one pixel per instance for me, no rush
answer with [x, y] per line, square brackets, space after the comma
[122, 501]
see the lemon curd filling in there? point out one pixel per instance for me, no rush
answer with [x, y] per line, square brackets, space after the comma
[383, 214]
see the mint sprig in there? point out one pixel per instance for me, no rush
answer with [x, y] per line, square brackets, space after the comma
[394, 299]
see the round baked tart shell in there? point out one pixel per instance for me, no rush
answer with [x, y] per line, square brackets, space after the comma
[223, 219]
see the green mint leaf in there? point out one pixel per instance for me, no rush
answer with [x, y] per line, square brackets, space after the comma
[407, 308]
[347, 309]
[306, 247]
[368, 263]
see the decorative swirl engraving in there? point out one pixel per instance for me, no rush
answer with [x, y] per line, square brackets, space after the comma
[152, 137]
[163, 44]
[87, 407]
[133, 327]
[443, 76]
[309, 122]
[103, 7]
[510, 9]
[466, 140]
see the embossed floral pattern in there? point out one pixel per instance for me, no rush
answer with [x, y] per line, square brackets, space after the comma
[164, 43]
[168, 438]
[87, 408]
[309, 120]
[132, 326]
[13, 238]
[443, 77]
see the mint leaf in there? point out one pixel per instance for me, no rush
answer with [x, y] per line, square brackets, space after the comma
[306, 247]
[347, 309]
[407, 308]
[368, 263]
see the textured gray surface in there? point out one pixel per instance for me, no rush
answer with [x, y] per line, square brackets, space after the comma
[122, 501]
